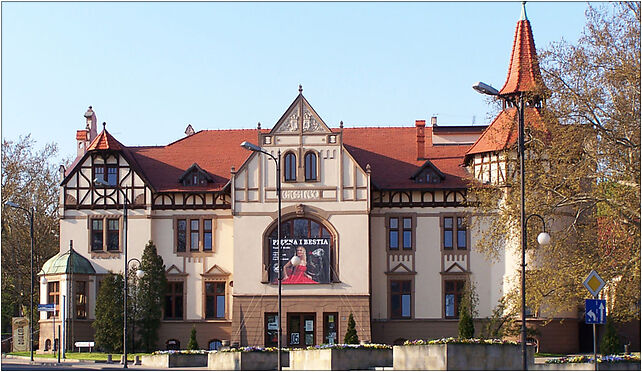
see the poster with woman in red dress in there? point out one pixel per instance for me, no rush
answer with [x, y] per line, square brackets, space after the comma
[295, 269]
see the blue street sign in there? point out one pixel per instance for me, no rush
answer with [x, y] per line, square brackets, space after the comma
[47, 307]
[595, 311]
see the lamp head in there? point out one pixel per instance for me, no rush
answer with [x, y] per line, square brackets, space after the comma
[43, 280]
[250, 146]
[295, 261]
[485, 89]
[140, 273]
[544, 238]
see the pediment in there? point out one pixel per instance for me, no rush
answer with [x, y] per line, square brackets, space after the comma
[300, 118]
[401, 269]
[216, 271]
[173, 270]
[456, 268]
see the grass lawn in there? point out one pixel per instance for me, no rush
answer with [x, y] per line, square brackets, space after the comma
[548, 355]
[81, 356]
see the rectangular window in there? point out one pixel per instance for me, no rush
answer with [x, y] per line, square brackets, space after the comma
[214, 300]
[207, 235]
[453, 291]
[331, 328]
[407, 233]
[81, 300]
[193, 235]
[448, 233]
[53, 297]
[461, 233]
[99, 173]
[400, 298]
[113, 234]
[174, 300]
[96, 235]
[112, 176]
[271, 329]
[393, 233]
[181, 235]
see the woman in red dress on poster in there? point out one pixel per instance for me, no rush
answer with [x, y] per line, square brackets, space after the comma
[297, 267]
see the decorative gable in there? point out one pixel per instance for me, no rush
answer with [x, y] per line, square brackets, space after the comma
[174, 271]
[195, 175]
[428, 173]
[299, 118]
[216, 272]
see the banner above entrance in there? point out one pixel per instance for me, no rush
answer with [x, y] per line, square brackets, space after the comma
[304, 260]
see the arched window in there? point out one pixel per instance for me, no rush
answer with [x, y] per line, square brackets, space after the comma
[290, 167]
[321, 262]
[214, 344]
[310, 166]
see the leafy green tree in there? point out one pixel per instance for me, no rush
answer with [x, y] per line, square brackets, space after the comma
[351, 333]
[29, 179]
[151, 296]
[610, 343]
[109, 314]
[193, 344]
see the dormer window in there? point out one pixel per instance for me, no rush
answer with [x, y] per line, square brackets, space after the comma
[195, 176]
[428, 174]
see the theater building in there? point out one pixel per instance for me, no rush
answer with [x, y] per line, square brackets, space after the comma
[377, 217]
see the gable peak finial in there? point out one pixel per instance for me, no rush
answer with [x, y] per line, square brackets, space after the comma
[300, 89]
[341, 124]
[523, 16]
[258, 126]
[104, 124]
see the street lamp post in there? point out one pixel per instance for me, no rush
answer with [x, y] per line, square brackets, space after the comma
[101, 182]
[31, 214]
[277, 161]
[543, 238]
[139, 274]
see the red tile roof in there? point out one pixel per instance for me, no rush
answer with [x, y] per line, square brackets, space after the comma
[105, 141]
[215, 151]
[502, 133]
[392, 155]
[523, 71]
[81, 134]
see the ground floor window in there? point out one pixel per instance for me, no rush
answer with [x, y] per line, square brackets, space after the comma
[301, 329]
[214, 300]
[453, 292]
[400, 298]
[330, 328]
[271, 329]
[174, 300]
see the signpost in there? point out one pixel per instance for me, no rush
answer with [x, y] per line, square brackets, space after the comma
[595, 310]
[51, 308]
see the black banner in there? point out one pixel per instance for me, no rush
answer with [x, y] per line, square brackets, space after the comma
[304, 260]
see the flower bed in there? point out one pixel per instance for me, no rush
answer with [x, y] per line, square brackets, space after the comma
[247, 359]
[341, 357]
[585, 363]
[176, 358]
[459, 354]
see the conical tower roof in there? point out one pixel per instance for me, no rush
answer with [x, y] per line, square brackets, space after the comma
[69, 262]
[105, 141]
[523, 72]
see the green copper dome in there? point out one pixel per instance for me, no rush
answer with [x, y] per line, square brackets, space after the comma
[69, 262]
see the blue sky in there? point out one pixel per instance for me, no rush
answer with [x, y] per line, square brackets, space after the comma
[149, 69]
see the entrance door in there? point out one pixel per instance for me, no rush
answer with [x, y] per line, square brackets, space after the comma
[301, 329]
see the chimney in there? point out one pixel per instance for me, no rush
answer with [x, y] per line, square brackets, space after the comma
[85, 136]
[90, 116]
[421, 139]
[433, 121]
